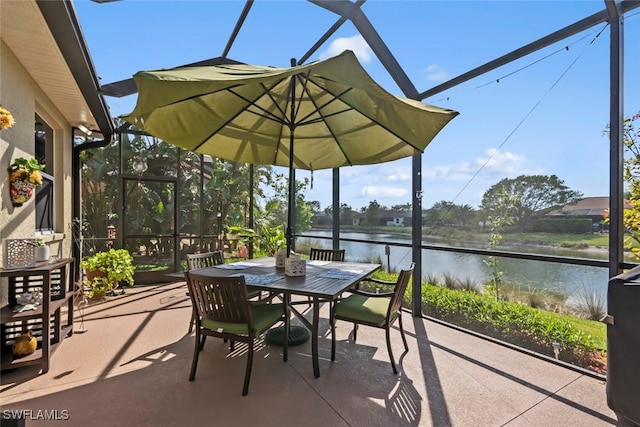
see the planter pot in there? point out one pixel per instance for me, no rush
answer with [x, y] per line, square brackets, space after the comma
[92, 274]
[97, 293]
[42, 253]
[21, 191]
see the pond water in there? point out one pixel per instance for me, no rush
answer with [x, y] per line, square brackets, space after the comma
[575, 281]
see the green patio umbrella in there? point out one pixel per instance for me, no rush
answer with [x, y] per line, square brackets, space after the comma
[331, 110]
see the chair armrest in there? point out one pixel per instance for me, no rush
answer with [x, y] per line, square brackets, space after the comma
[378, 281]
[264, 300]
[370, 294]
[375, 282]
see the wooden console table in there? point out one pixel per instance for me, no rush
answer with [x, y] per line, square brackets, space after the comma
[55, 281]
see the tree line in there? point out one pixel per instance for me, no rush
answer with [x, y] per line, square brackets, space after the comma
[530, 198]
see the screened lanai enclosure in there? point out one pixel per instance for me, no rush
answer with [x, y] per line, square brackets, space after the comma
[161, 202]
[141, 186]
[133, 182]
[611, 17]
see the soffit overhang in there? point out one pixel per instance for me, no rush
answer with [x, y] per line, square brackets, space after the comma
[25, 29]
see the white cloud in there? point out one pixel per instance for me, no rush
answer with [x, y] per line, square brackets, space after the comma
[352, 172]
[390, 183]
[500, 163]
[436, 73]
[467, 180]
[373, 191]
[399, 177]
[355, 43]
[495, 163]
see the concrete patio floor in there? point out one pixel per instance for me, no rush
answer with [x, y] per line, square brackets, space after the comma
[131, 368]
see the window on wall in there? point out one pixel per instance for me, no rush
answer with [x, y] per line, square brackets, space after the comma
[44, 193]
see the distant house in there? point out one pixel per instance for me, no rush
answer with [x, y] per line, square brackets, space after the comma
[589, 206]
[321, 218]
[399, 219]
[594, 208]
[396, 219]
[358, 219]
[396, 222]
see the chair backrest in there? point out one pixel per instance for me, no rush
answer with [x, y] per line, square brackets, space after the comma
[401, 287]
[221, 299]
[206, 259]
[326, 254]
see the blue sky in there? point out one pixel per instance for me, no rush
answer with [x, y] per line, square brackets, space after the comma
[546, 115]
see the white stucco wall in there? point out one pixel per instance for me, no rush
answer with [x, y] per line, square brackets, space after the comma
[23, 97]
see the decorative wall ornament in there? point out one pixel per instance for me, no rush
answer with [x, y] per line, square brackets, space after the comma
[24, 177]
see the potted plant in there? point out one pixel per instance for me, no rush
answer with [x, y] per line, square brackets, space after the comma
[104, 270]
[42, 250]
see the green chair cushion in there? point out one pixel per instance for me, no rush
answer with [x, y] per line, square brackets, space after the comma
[362, 308]
[264, 316]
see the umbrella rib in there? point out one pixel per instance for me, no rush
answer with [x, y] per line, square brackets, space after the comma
[319, 108]
[323, 117]
[276, 119]
[304, 79]
[282, 122]
[269, 115]
[370, 118]
[201, 143]
[200, 95]
[303, 121]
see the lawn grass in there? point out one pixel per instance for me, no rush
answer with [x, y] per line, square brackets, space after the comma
[559, 239]
[597, 330]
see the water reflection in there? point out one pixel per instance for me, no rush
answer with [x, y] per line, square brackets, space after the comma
[575, 281]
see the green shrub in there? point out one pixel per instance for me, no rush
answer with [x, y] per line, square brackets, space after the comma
[117, 266]
[581, 342]
[563, 225]
[512, 322]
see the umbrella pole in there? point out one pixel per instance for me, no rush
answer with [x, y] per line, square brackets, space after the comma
[291, 207]
[297, 334]
[292, 173]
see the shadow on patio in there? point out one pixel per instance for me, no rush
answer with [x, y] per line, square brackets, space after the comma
[131, 367]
